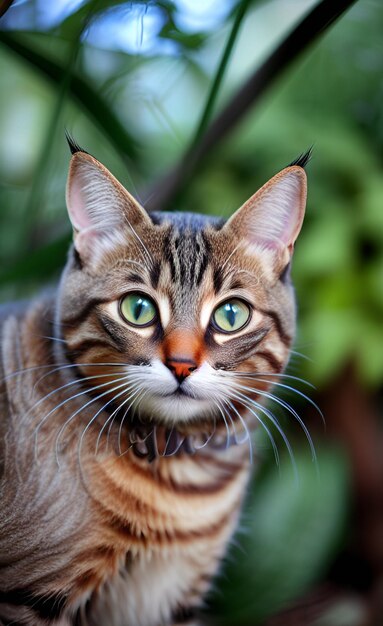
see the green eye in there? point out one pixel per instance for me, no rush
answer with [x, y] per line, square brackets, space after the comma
[138, 309]
[231, 315]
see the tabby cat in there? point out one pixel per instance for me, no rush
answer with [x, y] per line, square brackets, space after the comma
[127, 399]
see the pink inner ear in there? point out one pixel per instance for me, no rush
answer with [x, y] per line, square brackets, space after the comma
[86, 241]
[277, 211]
[77, 205]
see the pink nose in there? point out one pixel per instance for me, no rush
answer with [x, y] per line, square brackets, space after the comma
[181, 368]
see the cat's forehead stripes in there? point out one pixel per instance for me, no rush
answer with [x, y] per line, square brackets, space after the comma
[187, 253]
[135, 278]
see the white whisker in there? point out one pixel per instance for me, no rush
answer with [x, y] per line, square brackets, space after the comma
[77, 395]
[230, 255]
[64, 426]
[247, 402]
[286, 406]
[141, 243]
[247, 437]
[269, 374]
[266, 429]
[208, 439]
[228, 435]
[301, 355]
[77, 365]
[299, 393]
[57, 367]
[66, 386]
[124, 416]
[112, 416]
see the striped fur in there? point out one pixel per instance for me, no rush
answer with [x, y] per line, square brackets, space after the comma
[93, 530]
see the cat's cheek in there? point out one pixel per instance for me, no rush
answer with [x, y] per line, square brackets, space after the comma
[279, 350]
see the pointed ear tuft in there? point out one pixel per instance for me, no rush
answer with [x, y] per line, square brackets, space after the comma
[273, 216]
[72, 143]
[99, 206]
[303, 159]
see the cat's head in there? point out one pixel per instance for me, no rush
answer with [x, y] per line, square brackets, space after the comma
[178, 316]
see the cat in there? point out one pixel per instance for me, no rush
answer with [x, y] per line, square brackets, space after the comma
[127, 399]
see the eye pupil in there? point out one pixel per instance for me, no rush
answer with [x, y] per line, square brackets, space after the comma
[230, 314]
[139, 306]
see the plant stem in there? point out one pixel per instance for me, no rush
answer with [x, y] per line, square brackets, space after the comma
[221, 69]
[80, 90]
[4, 6]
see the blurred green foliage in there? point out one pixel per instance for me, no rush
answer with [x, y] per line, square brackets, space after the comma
[290, 531]
[136, 107]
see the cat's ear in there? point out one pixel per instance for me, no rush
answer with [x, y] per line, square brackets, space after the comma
[272, 218]
[99, 206]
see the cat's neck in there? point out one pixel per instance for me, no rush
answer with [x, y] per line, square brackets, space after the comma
[152, 441]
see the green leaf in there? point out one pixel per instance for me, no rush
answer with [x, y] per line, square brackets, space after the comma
[80, 89]
[331, 338]
[71, 23]
[370, 353]
[191, 41]
[333, 231]
[238, 17]
[291, 530]
[75, 19]
[46, 262]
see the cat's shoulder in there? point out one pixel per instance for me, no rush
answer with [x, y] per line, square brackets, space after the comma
[15, 309]
[20, 308]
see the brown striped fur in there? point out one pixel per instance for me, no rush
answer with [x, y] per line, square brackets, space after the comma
[91, 532]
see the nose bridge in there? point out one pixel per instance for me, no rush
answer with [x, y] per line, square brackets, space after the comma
[182, 342]
[183, 352]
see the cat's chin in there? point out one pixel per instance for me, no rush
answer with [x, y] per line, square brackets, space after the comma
[175, 408]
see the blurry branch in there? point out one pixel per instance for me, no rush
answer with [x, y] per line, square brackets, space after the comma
[316, 22]
[4, 6]
[218, 78]
[35, 200]
[81, 90]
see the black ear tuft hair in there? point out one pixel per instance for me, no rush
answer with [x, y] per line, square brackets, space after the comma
[303, 158]
[73, 145]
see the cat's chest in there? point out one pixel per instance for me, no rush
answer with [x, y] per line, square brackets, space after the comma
[156, 529]
[148, 590]
[150, 543]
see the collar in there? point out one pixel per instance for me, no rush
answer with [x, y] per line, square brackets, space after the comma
[156, 441]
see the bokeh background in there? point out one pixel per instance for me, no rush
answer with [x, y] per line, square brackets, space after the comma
[138, 84]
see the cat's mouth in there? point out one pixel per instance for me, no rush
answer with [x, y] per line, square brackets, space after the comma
[174, 407]
[161, 399]
[180, 392]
